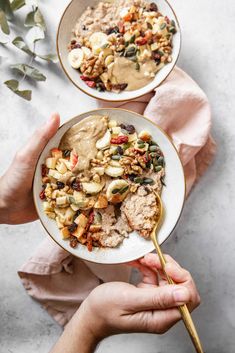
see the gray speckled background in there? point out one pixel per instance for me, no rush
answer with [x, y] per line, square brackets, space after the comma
[204, 240]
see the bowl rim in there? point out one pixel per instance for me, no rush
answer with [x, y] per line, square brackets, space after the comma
[116, 100]
[92, 112]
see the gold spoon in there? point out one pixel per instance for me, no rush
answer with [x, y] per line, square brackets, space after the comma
[187, 319]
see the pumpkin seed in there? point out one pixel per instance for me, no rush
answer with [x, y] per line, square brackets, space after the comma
[132, 39]
[160, 52]
[161, 161]
[138, 180]
[155, 162]
[137, 66]
[163, 26]
[173, 23]
[116, 157]
[153, 148]
[126, 44]
[142, 145]
[124, 189]
[158, 168]
[153, 143]
[97, 218]
[139, 142]
[130, 52]
[115, 191]
[149, 25]
[163, 181]
[148, 181]
[133, 58]
[172, 30]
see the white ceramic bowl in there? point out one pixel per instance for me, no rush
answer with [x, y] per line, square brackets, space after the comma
[66, 25]
[173, 194]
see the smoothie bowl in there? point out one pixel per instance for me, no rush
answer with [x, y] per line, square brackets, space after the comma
[118, 50]
[95, 185]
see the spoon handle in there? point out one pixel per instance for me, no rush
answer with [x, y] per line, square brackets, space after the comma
[187, 319]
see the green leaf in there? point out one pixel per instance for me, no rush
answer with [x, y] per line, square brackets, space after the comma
[6, 7]
[13, 85]
[17, 4]
[39, 20]
[35, 18]
[49, 57]
[20, 44]
[29, 71]
[3, 23]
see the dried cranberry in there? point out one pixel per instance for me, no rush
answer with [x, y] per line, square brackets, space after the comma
[91, 218]
[73, 242]
[90, 84]
[76, 185]
[60, 185]
[130, 129]
[86, 78]
[141, 41]
[119, 140]
[153, 7]
[44, 170]
[42, 195]
[72, 227]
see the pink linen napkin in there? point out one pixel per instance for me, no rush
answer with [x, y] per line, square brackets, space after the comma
[59, 281]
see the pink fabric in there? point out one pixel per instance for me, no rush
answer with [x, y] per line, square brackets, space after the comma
[60, 281]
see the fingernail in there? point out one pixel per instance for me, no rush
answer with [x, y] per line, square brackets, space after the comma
[180, 295]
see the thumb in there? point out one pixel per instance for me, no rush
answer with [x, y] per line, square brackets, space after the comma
[31, 151]
[159, 298]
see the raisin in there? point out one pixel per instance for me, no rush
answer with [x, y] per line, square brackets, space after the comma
[100, 86]
[60, 185]
[130, 129]
[42, 195]
[44, 170]
[123, 126]
[72, 227]
[120, 150]
[112, 30]
[73, 242]
[120, 86]
[153, 7]
[76, 185]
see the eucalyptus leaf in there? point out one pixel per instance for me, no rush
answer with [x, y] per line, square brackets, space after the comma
[13, 85]
[49, 57]
[6, 7]
[20, 44]
[35, 18]
[17, 4]
[3, 23]
[29, 71]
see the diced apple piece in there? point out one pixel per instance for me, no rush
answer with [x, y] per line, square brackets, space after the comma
[116, 130]
[145, 136]
[61, 201]
[65, 233]
[95, 228]
[51, 163]
[102, 202]
[132, 137]
[55, 152]
[78, 233]
[69, 216]
[66, 162]
[92, 188]
[59, 223]
[54, 174]
[81, 221]
[47, 207]
[61, 167]
[73, 159]
[50, 215]
[112, 123]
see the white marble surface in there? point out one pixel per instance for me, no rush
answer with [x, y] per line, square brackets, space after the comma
[204, 240]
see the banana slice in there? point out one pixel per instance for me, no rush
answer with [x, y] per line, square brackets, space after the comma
[104, 141]
[117, 191]
[92, 188]
[86, 51]
[114, 172]
[75, 57]
[98, 40]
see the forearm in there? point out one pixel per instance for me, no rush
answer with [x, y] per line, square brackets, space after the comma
[3, 208]
[77, 337]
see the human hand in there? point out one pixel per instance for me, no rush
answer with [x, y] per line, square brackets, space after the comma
[16, 200]
[117, 307]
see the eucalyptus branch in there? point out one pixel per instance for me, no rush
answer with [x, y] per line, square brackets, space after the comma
[36, 25]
